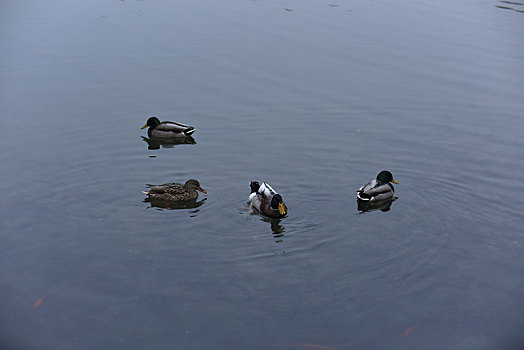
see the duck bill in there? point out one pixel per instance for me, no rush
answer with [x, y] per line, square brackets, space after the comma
[394, 182]
[281, 209]
[145, 126]
[201, 190]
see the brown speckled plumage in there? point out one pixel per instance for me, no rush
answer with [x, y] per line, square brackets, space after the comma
[175, 191]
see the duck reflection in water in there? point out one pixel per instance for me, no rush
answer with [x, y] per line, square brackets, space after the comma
[365, 206]
[277, 229]
[164, 204]
[155, 143]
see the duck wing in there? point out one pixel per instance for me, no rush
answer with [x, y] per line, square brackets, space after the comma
[261, 195]
[266, 191]
[375, 191]
[172, 188]
[176, 128]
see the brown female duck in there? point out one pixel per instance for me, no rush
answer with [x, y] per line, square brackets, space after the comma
[174, 191]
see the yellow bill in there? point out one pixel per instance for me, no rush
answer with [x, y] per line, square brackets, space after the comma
[394, 182]
[145, 126]
[281, 209]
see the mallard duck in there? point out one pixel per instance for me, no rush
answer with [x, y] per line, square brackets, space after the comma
[378, 189]
[166, 130]
[174, 191]
[266, 200]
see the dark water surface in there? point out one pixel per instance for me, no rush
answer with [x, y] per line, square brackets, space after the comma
[314, 97]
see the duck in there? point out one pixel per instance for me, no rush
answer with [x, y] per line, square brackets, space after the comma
[174, 191]
[378, 189]
[266, 200]
[166, 130]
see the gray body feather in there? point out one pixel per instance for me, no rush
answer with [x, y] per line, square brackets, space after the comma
[170, 129]
[375, 191]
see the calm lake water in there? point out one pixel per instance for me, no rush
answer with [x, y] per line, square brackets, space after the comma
[315, 97]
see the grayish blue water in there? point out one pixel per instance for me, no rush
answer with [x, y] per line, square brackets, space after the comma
[315, 97]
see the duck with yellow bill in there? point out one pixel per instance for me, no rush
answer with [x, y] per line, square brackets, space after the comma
[167, 129]
[266, 200]
[378, 189]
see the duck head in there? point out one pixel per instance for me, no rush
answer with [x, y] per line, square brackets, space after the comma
[278, 203]
[385, 177]
[152, 122]
[193, 185]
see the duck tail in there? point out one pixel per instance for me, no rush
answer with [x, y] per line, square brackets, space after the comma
[254, 186]
[189, 131]
[145, 192]
[363, 196]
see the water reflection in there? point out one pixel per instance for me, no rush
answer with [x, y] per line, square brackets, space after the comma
[154, 143]
[513, 3]
[160, 203]
[365, 206]
[277, 229]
